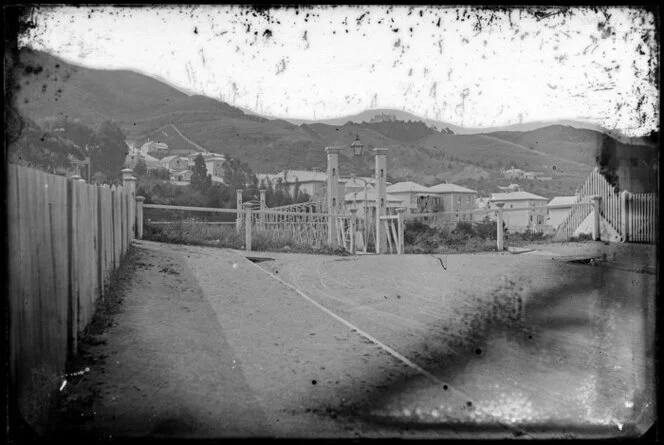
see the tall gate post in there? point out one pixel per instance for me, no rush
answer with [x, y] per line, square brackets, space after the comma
[238, 207]
[500, 233]
[596, 231]
[332, 193]
[624, 208]
[247, 225]
[129, 185]
[381, 197]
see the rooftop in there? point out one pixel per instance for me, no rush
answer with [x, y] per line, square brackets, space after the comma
[407, 186]
[450, 188]
[516, 196]
[562, 200]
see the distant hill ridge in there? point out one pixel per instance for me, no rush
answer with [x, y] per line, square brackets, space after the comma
[147, 108]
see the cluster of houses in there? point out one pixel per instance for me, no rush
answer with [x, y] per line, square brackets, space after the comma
[180, 167]
[457, 201]
[517, 173]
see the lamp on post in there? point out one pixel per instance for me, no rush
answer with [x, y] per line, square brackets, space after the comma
[357, 146]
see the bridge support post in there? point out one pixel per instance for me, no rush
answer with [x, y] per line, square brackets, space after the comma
[332, 193]
[381, 198]
[400, 226]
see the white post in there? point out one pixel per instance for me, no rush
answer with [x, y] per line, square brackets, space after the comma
[261, 215]
[353, 225]
[238, 206]
[596, 230]
[247, 226]
[623, 216]
[381, 197]
[332, 193]
[499, 228]
[129, 184]
[139, 216]
[400, 226]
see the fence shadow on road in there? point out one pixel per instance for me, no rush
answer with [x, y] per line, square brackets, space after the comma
[573, 327]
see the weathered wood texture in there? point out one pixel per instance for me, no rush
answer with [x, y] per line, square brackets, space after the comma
[65, 237]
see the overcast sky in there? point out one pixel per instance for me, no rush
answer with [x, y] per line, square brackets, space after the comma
[467, 66]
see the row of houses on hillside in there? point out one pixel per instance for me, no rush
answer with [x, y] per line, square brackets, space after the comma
[517, 173]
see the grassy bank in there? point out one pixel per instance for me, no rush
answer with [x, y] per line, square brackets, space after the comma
[192, 233]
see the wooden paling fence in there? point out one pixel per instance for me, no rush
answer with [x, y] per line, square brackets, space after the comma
[633, 216]
[65, 237]
[642, 217]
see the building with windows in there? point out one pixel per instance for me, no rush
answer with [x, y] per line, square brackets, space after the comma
[414, 197]
[556, 216]
[174, 163]
[454, 199]
[533, 213]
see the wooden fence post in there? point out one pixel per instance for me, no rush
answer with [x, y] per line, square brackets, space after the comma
[596, 230]
[247, 223]
[139, 216]
[353, 225]
[238, 206]
[261, 215]
[400, 230]
[624, 208]
[500, 233]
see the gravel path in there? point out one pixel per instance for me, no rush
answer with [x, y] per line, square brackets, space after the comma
[211, 345]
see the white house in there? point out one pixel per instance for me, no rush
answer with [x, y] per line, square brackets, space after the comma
[410, 193]
[533, 215]
[556, 216]
[154, 147]
[174, 163]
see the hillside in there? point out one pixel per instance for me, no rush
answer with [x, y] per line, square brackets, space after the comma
[146, 108]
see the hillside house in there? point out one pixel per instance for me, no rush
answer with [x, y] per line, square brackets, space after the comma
[214, 162]
[455, 198]
[511, 188]
[134, 156]
[556, 216]
[414, 197]
[152, 147]
[513, 173]
[532, 217]
[174, 163]
[182, 176]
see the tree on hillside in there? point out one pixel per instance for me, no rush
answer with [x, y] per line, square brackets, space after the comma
[108, 152]
[199, 175]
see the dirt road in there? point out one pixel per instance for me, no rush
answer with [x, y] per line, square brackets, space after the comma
[211, 345]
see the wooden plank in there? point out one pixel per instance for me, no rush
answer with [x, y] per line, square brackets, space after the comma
[387, 233]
